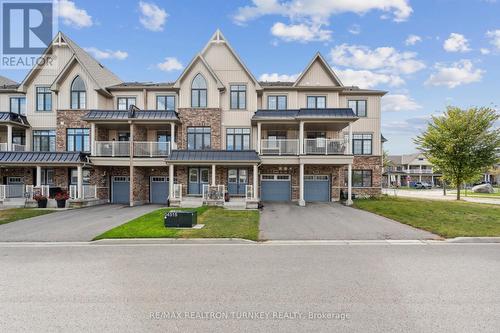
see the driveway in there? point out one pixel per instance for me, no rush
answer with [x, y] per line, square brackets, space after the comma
[71, 225]
[332, 221]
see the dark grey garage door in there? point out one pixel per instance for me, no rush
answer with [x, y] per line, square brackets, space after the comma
[120, 190]
[316, 188]
[275, 188]
[159, 190]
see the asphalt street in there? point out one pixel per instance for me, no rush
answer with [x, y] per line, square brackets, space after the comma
[265, 287]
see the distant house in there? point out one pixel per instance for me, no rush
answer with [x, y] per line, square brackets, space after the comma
[403, 170]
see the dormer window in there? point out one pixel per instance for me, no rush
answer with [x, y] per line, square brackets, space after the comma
[78, 93]
[199, 92]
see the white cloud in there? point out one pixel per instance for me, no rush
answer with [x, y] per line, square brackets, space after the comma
[456, 43]
[368, 79]
[411, 125]
[458, 73]
[412, 40]
[399, 102]
[106, 54]
[72, 15]
[321, 10]
[355, 29]
[278, 77]
[494, 36]
[484, 51]
[386, 59]
[170, 64]
[152, 17]
[300, 32]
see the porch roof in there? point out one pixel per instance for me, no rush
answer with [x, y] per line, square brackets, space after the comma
[305, 113]
[33, 158]
[116, 115]
[11, 117]
[221, 156]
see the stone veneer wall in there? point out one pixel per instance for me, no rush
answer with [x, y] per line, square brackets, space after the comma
[101, 177]
[68, 119]
[200, 117]
[25, 173]
[373, 163]
[140, 133]
[140, 193]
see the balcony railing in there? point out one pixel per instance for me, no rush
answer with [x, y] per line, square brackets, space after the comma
[426, 171]
[112, 148]
[3, 146]
[279, 147]
[322, 146]
[89, 191]
[15, 147]
[151, 149]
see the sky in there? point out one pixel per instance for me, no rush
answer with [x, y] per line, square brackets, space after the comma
[427, 54]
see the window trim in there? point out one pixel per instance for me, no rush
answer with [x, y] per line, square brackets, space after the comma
[242, 135]
[166, 96]
[238, 108]
[277, 104]
[38, 136]
[44, 98]
[19, 98]
[74, 137]
[316, 101]
[118, 98]
[198, 90]
[78, 93]
[203, 137]
[362, 177]
[362, 143]
[357, 102]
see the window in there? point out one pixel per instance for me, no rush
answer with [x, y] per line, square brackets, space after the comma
[18, 137]
[198, 138]
[360, 178]
[359, 107]
[78, 139]
[199, 92]
[238, 139]
[238, 97]
[86, 177]
[276, 102]
[316, 102]
[362, 144]
[78, 93]
[18, 105]
[47, 176]
[44, 140]
[124, 103]
[165, 103]
[43, 99]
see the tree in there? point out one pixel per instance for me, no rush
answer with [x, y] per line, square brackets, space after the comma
[461, 143]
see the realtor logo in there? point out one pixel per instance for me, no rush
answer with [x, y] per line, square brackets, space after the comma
[27, 30]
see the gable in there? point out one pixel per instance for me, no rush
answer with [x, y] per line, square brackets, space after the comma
[316, 75]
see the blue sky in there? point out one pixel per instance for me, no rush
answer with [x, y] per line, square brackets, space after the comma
[427, 54]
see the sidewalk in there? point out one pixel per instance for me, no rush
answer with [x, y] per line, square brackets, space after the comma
[436, 194]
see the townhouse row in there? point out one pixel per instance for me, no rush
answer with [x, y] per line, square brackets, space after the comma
[72, 124]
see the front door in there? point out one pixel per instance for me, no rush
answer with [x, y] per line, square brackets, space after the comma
[237, 179]
[197, 178]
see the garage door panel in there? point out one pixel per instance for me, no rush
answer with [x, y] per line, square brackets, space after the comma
[120, 190]
[275, 189]
[159, 190]
[316, 188]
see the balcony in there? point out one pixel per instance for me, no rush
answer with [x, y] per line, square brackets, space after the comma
[151, 149]
[279, 147]
[15, 147]
[322, 146]
[112, 148]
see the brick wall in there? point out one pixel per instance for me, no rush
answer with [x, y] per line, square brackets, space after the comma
[68, 119]
[373, 163]
[199, 117]
[333, 171]
[140, 192]
[292, 170]
[140, 133]
[25, 173]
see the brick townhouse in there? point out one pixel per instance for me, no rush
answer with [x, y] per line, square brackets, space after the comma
[72, 124]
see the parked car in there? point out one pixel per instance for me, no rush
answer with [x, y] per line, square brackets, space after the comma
[422, 185]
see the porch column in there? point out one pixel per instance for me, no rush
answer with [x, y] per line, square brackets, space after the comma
[9, 137]
[349, 141]
[432, 180]
[349, 185]
[173, 144]
[28, 139]
[301, 138]
[92, 139]
[171, 180]
[259, 136]
[255, 182]
[80, 181]
[213, 175]
[302, 202]
[38, 176]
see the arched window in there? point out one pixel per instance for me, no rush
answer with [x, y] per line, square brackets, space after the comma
[78, 93]
[199, 92]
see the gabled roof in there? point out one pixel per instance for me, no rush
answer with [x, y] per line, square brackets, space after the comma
[5, 81]
[218, 37]
[329, 71]
[403, 159]
[186, 70]
[100, 74]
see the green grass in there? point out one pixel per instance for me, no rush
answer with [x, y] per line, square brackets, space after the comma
[446, 218]
[219, 223]
[15, 214]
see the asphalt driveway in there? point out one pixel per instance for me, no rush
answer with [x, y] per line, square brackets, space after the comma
[330, 221]
[71, 225]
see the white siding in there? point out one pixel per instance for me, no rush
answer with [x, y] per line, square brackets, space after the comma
[185, 87]
[316, 76]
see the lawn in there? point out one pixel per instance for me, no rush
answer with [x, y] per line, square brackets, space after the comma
[219, 223]
[15, 214]
[446, 218]
[495, 195]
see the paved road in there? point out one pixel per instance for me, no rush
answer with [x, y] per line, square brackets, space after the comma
[437, 194]
[71, 225]
[378, 288]
[331, 221]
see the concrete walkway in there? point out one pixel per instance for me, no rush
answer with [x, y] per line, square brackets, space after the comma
[331, 221]
[71, 225]
[437, 194]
